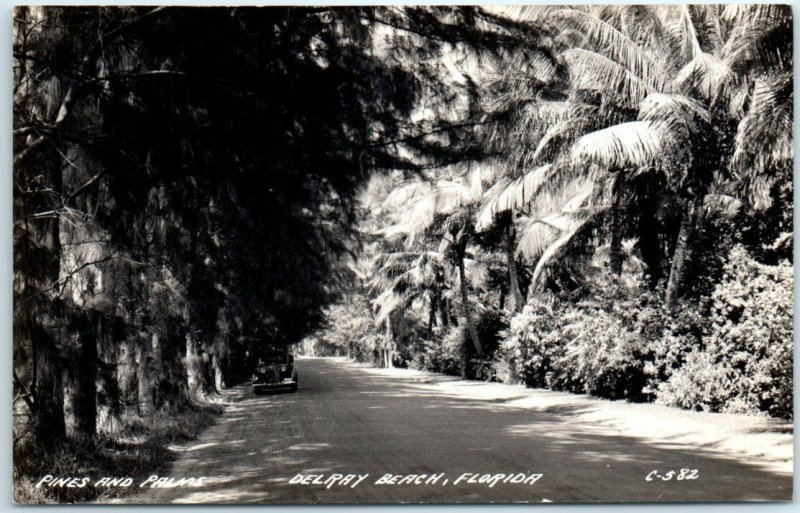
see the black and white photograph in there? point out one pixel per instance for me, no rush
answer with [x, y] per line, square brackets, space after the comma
[402, 254]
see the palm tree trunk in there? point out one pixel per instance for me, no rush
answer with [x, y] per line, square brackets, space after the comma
[683, 251]
[432, 314]
[444, 312]
[650, 247]
[615, 247]
[388, 343]
[511, 262]
[473, 332]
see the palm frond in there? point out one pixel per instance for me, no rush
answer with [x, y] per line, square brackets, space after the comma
[703, 76]
[761, 42]
[477, 273]
[488, 211]
[404, 193]
[672, 112]
[535, 67]
[603, 38]
[594, 72]
[426, 200]
[512, 195]
[632, 144]
[680, 27]
[534, 13]
[565, 209]
[553, 249]
[721, 204]
[764, 140]
[534, 238]
[565, 132]
[540, 115]
[709, 26]
[388, 302]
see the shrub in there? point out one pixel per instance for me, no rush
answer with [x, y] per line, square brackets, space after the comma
[600, 357]
[447, 355]
[443, 354]
[524, 355]
[579, 347]
[746, 362]
[702, 383]
[451, 349]
[667, 337]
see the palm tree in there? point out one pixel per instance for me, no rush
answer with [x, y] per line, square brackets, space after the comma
[679, 90]
[444, 208]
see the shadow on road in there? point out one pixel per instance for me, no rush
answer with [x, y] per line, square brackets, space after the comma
[345, 420]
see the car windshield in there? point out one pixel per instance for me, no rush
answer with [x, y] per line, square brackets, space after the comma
[275, 358]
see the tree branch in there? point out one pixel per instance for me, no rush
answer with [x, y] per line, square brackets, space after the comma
[26, 394]
[76, 90]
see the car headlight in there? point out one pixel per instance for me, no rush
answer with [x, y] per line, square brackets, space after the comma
[283, 368]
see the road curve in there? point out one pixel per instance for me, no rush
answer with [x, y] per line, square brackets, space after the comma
[345, 420]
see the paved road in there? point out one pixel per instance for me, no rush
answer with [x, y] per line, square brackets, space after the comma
[346, 420]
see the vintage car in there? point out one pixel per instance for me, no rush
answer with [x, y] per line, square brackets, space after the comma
[275, 370]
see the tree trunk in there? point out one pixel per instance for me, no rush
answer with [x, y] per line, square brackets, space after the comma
[388, 343]
[109, 407]
[48, 417]
[86, 377]
[683, 251]
[157, 371]
[194, 366]
[40, 317]
[127, 368]
[432, 314]
[173, 388]
[650, 247]
[444, 312]
[218, 364]
[511, 263]
[144, 357]
[615, 247]
[467, 311]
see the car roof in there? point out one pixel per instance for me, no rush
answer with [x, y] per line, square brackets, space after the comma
[269, 353]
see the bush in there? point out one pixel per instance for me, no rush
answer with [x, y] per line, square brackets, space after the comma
[445, 355]
[668, 337]
[601, 356]
[579, 347]
[524, 356]
[451, 349]
[746, 362]
[703, 383]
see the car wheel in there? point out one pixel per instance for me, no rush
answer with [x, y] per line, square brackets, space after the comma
[294, 388]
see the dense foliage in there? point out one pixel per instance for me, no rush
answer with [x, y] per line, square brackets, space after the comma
[744, 361]
[628, 232]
